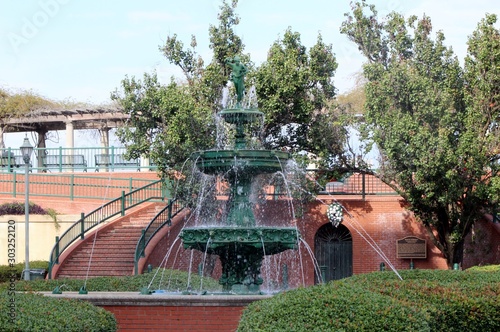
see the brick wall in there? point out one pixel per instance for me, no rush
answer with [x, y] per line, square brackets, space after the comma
[375, 224]
[482, 245]
[176, 318]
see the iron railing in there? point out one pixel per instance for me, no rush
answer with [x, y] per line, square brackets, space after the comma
[358, 184]
[155, 190]
[61, 159]
[162, 218]
[69, 186]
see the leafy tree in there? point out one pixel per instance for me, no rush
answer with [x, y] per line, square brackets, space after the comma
[482, 93]
[420, 111]
[294, 90]
[293, 85]
[166, 122]
[169, 122]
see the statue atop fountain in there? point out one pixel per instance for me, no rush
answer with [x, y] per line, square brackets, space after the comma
[240, 244]
[238, 73]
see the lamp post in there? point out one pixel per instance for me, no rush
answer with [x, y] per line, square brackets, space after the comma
[26, 150]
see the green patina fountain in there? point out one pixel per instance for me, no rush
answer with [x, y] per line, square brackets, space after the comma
[240, 244]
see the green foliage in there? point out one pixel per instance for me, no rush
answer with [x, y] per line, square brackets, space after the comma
[432, 121]
[169, 122]
[424, 300]
[166, 122]
[6, 270]
[18, 104]
[34, 312]
[294, 89]
[485, 268]
[17, 208]
[171, 280]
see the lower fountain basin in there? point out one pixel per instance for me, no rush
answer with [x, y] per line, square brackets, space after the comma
[265, 240]
[241, 250]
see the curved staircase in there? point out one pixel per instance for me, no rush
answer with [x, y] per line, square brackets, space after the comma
[110, 249]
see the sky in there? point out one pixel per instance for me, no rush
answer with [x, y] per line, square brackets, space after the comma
[80, 50]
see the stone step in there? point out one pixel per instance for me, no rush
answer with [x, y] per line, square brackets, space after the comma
[93, 274]
[96, 267]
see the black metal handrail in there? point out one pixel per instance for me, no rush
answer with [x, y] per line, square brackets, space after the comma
[155, 190]
[162, 218]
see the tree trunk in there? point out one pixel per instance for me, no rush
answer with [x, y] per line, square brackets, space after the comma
[455, 254]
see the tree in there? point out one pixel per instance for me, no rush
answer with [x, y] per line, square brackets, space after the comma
[170, 122]
[293, 86]
[166, 122]
[432, 134]
[294, 90]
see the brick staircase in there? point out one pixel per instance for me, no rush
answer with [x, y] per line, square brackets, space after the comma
[112, 247]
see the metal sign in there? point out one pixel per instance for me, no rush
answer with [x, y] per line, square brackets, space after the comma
[411, 247]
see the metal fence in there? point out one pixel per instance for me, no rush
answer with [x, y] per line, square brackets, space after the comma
[69, 186]
[89, 159]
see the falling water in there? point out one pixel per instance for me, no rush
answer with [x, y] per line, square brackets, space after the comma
[268, 277]
[165, 259]
[356, 226]
[315, 262]
[203, 263]
[189, 271]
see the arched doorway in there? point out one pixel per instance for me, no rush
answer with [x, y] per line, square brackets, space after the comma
[333, 251]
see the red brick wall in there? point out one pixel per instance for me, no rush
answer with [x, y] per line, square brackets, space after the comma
[375, 223]
[176, 318]
[482, 245]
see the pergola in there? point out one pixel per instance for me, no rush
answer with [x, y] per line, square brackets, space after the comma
[42, 121]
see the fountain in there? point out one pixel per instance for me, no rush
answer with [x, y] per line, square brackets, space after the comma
[240, 244]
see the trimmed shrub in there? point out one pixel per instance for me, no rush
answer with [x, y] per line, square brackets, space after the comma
[172, 280]
[35, 312]
[6, 271]
[425, 300]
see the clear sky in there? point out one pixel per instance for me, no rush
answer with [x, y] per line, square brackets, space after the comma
[81, 49]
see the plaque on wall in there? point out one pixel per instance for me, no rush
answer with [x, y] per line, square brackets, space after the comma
[411, 247]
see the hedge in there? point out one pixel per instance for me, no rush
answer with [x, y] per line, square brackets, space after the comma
[171, 280]
[6, 270]
[424, 300]
[35, 312]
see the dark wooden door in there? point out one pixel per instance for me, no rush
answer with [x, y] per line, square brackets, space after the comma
[333, 251]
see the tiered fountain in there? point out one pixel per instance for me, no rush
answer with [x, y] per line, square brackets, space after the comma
[239, 242]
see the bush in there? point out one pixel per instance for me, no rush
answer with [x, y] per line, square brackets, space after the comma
[172, 280]
[6, 270]
[17, 208]
[424, 300]
[35, 312]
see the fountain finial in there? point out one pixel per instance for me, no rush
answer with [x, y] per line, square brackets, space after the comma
[238, 73]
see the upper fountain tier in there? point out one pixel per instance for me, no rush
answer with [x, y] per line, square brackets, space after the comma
[241, 116]
[252, 161]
